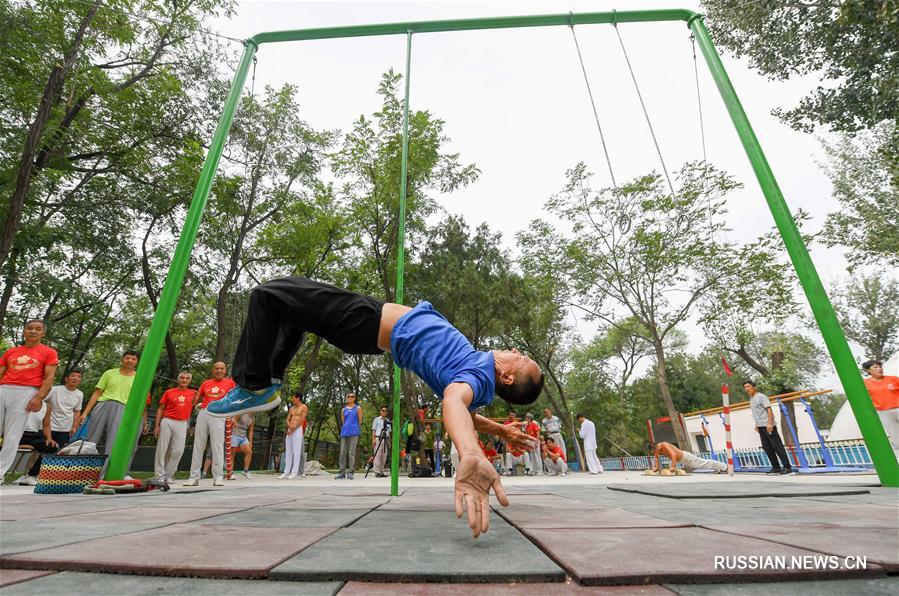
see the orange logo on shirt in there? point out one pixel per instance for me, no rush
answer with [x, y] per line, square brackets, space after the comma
[24, 363]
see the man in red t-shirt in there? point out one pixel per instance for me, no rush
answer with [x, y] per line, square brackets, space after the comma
[554, 458]
[515, 456]
[172, 420]
[26, 377]
[490, 453]
[210, 428]
[884, 391]
[536, 457]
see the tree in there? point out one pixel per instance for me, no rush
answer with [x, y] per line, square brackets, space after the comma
[866, 183]
[868, 308]
[637, 248]
[850, 44]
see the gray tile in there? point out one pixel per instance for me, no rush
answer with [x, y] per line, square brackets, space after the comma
[429, 546]
[882, 586]
[737, 490]
[29, 535]
[95, 583]
[264, 517]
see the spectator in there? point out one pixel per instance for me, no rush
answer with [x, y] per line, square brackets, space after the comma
[65, 407]
[588, 435]
[492, 456]
[108, 401]
[552, 426]
[554, 458]
[37, 435]
[172, 420]
[293, 437]
[514, 457]
[210, 428]
[299, 394]
[763, 416]
[26, 375]
[429, 445]
[380, 439]
[884, 391]
[242, 440]
[350, 424]
[533, 430]
[687, 459]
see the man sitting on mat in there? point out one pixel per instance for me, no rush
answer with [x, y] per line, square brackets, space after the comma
[420, 339]
[689, 461]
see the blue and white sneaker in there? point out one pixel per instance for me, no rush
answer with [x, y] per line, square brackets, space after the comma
[241, 401]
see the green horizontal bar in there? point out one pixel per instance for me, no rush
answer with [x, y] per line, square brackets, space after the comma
[589, 18]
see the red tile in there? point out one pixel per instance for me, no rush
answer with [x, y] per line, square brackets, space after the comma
[9, 577]
[193, 550]
[552, 589]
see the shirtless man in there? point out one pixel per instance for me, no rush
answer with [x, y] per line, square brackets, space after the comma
[419, 339]
[687, 459]
[294, 438]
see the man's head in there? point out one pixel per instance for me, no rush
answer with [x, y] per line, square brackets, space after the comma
[129, 360]
[350, 399]
[184, 378]
[512, 415]
[518, 378]
[33, 331]
[547, 413]
[298, 397]
[219, 370]
[873, 368]
[581, 417]
[550, 441]
[749, 387]
[383, 412]
[529, 417]
[73, 379]
[427, 428]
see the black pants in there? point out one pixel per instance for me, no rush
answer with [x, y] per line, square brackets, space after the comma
[774, 448]
[36, 440]
[280, 313]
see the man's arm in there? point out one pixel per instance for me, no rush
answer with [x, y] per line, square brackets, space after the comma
[76, 415]
[196, 401]
[250, 432]
[475, 476]
[90, 405]
[770, 426]
[45, 427]
[35, 404]
[361, 417]
[159, 412]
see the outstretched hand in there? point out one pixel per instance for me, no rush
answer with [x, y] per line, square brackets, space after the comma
[474, 479]
[518, 440]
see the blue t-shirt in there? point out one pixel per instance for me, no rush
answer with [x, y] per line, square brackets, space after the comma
[350, 426]
[424, 342]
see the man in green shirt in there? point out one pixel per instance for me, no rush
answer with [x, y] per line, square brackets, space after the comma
[108, 402]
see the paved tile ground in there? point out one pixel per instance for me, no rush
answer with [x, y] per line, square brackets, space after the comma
[560, 536]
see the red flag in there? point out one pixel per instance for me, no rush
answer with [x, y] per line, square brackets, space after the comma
[726, 367]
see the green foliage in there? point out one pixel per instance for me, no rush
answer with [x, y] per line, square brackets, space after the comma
[865, 179]
[852, 45]
[868, 308]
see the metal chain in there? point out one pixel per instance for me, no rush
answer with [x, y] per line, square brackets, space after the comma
[643, 105]
[705, 161]
[593, 105]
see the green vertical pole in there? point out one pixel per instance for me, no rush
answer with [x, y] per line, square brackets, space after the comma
[868, 422]
[400, 267]
[130, 425]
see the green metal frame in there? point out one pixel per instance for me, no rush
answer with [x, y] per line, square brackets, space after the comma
[872, 430]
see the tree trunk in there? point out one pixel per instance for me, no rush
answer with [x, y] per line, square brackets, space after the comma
[220, 321]
[52, 91]
[662, 377]
[752, 362]
[146, 274]
[11, 279]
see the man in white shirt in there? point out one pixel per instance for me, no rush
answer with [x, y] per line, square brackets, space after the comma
[37, 435]
[588, 435]
[65, 407]
[380, 425]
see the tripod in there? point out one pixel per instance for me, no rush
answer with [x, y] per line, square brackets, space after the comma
[382, 442]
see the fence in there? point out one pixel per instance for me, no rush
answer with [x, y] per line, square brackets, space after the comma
[851, 453]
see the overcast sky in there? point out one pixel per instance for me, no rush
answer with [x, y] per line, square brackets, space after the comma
[515, 103]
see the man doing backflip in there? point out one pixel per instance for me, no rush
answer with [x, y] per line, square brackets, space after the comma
[419, 339]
